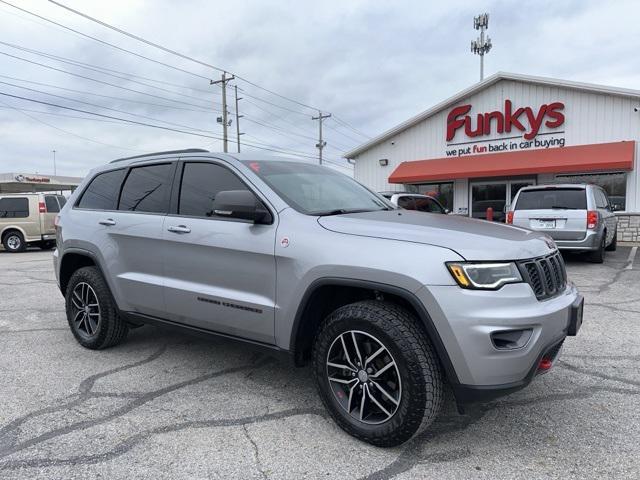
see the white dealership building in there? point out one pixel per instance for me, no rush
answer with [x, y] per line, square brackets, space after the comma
[474, 150]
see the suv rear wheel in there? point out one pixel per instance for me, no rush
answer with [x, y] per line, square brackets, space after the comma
[14, 242]
[91, 311]
[614, 243]
[377, 372]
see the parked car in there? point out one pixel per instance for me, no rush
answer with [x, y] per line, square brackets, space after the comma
[388, 305]
[415, 201]
[27, 219]
[578, 217]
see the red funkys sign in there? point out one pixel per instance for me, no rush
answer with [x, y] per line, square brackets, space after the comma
[524, 119]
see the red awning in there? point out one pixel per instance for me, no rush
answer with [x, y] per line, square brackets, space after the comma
[582, 158]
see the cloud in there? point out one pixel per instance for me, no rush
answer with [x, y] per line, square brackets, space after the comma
[371, 63]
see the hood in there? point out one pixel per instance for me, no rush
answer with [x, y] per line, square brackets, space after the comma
[472, 239]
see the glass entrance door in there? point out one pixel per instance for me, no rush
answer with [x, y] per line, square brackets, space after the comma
[494, 195]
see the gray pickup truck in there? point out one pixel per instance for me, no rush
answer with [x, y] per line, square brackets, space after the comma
[388, 305]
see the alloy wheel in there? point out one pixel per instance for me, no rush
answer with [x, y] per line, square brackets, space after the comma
[86, 309]
[364, 377]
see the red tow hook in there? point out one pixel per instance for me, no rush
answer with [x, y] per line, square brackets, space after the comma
[545, 365]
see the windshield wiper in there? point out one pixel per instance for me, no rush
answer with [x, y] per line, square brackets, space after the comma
[342, 211]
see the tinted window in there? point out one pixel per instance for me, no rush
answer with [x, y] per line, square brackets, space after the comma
[51, 203]
[146, 189]
[407, 203]
[552, 198]
[14, 207]
[62, 201]
[102, 192]
[201, 182]
[601, 201]
[428, 205]
[614, 184]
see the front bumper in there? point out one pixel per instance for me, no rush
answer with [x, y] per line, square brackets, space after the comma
[466, 320]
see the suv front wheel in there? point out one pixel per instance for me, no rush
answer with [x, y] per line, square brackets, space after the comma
[91, 310]
[377, 372]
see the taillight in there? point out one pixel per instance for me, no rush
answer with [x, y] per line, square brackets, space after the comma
[510, 217]
[592, 219]
[42, 207]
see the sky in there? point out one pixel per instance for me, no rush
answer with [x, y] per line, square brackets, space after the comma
[371, 64]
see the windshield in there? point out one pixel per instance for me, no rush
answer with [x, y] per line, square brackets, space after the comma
[549, 198]
[316, 190]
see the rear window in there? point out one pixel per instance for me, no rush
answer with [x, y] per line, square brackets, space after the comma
[548, 198]
[14, 207]
[52, 204]
[102, 192]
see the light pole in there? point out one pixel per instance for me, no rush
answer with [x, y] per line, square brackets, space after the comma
[54, 162]
[482, 45]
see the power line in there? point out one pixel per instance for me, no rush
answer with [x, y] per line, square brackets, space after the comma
[135, 122]
[340, 121]
[138, 38]
[66, 131]
[99, 81]
[173, 52]
[98, 69]
[101, 106]
[104, 42]
[103, 96]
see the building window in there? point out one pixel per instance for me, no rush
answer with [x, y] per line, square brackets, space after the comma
[615, 184]
[443, 192]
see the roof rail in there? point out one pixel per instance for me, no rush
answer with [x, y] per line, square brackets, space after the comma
[168, 152]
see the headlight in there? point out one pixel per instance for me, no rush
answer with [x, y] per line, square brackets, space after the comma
[486, 276]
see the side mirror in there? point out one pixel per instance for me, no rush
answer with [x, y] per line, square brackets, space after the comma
[616, 207]
[447, 211]
[240, 204]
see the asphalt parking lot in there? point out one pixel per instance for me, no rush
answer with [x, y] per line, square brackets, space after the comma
[165, 405]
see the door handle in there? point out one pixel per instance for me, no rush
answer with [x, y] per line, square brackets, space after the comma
[108, 222]
[179, 229]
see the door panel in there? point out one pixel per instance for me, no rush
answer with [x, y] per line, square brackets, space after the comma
[221, 276]
[219, 272]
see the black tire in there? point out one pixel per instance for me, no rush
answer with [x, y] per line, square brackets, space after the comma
[13, 242]
[614, 243]
[597, 256]
[109, 329]
[420, 378]
[47, 245]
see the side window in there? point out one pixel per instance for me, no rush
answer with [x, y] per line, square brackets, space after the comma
[51, 204]
[62, 201]
[406, 203]
[428, 205]
[146, 189]
[14, 207]
[201, 182]
[102, 192]
[600, 200]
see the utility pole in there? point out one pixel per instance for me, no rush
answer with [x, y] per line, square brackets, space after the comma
[238, 117]
[54, 162]
[223, 81]
[321, 144]
[481, 45]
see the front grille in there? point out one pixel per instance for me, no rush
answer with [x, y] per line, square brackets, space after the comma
[546, 275]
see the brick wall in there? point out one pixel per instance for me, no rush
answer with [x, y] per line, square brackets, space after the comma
[628, 227]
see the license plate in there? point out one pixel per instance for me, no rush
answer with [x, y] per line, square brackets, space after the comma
[546, 224]
[575, 316]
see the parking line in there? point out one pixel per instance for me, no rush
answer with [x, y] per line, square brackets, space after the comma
[632, 256]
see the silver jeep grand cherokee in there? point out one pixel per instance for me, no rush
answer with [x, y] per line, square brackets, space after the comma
[388, 305]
